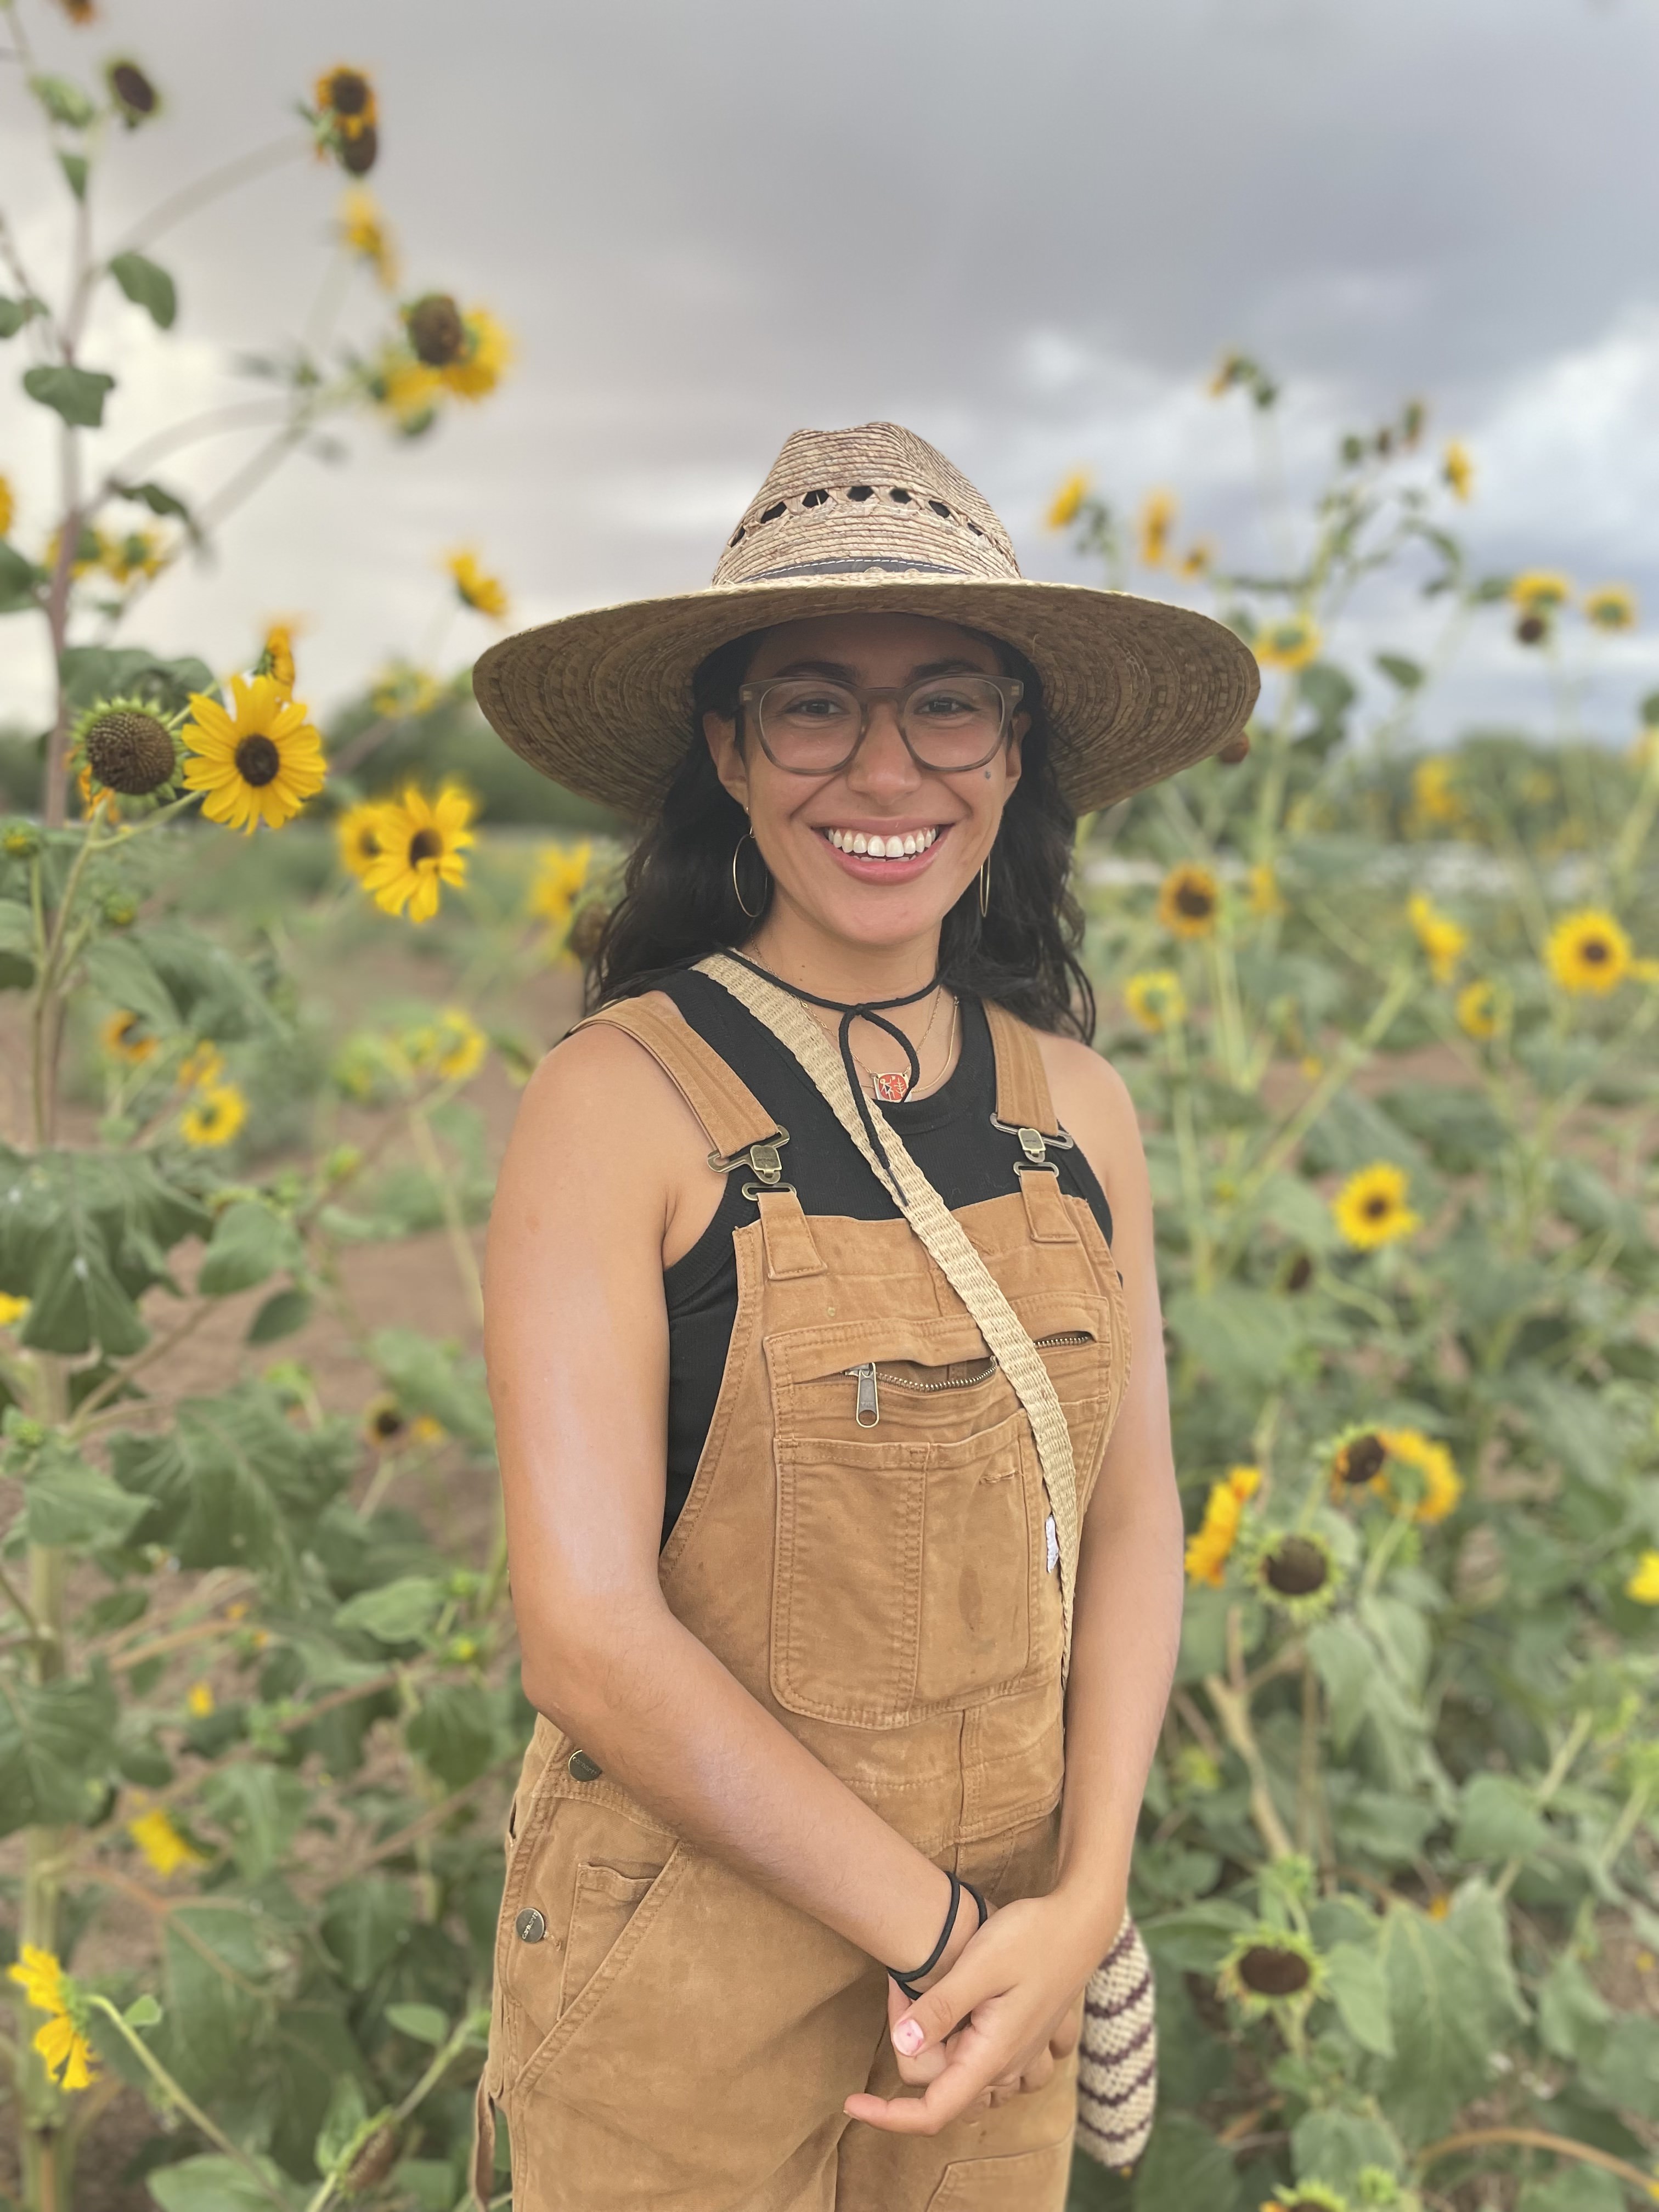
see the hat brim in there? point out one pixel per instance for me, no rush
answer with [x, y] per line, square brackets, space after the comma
[1136, 690]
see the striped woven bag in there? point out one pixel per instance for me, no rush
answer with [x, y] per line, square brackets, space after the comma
[1117, 2053]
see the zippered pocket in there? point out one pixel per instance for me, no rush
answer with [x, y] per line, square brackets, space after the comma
[869, 1378]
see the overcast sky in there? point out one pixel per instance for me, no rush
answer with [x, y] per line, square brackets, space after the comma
[1027, 228]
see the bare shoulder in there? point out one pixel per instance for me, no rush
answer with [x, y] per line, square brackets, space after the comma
[599, 1087]
[1092, 1101]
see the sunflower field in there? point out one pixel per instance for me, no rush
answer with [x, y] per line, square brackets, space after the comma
[266, 995]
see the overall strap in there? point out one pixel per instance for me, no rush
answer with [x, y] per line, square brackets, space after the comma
[947, 1242]
[1023, 1100]
[733, 1119]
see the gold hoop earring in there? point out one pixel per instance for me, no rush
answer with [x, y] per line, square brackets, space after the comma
[985, 887]
[753, 911]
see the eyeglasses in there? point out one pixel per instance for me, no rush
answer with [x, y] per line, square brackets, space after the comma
[813, 725]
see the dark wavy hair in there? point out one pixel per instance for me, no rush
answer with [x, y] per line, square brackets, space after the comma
[678, 902]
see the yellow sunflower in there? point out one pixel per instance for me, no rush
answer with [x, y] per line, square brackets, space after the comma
[162, 1846]
[277, 655]
[7, 507]
[1266, 898]
[358, 833]
[139, 553]
[1290, 642]
[58, 2039]
[1199, 558]
[346, 97]
[363, 232]
[214, 1116]
[1457, 469]
[1442, 1485]
[1153, 525]
[1477, 1009]
[125, 1035]
[421, 843]
[1371, 1207]
[1643, 1585]
[92, 551]
[1441, 938]
[487, 595]
[1587, 952]
[260, 763]
[1064, 507]
[11, 1310]
[1611, 606]
[1188, 900]
[1155, 997]
[200, 1699]
[1210, 1546]
[453, 1046]
[561, 877]
[1538, 591]
[406, 389]
[203, 1065]
[476, 369]
[1435, 796]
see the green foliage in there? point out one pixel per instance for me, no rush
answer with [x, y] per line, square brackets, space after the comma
[1440, 1776]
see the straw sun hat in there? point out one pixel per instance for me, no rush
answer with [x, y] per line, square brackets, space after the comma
[869, 520]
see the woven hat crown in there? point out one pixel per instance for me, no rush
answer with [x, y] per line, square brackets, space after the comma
[876, 501]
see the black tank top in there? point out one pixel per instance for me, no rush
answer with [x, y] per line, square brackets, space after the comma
[950, 1134]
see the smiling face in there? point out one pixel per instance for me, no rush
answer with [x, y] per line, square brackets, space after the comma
[874, 855]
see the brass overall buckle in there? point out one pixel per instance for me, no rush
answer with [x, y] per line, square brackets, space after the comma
[1035, 1144]
[761, 1160]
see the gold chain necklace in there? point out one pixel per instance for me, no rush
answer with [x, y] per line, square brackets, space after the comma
[890, 1088]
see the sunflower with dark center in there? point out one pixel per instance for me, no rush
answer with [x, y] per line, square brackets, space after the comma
[1188, 900]
[1357, 1459]
[437, 335]
[1296, 1571]
[422, 843]
[347, 98]
[1532, 629]
[258, 763]
[384, 1421]
[1589, 952]
[128, 747]
[1271, 1970]
[133, 93]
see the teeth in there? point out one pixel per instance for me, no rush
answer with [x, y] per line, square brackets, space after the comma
[882, 848]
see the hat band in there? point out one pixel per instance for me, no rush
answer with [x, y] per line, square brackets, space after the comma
[854, 568]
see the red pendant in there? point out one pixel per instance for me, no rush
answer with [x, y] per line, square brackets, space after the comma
[890, 1089]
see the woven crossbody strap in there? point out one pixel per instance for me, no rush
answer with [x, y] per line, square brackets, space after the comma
[958, 1258]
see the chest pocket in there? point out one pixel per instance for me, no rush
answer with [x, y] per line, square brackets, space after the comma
[912, 1569]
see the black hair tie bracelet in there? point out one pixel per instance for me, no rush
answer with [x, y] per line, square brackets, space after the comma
[913, 1974]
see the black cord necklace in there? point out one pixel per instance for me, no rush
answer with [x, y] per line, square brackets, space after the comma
[865, 1010]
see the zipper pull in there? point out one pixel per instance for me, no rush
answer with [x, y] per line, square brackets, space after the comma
[868, 1410]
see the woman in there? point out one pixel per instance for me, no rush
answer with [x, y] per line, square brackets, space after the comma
[782, 1559]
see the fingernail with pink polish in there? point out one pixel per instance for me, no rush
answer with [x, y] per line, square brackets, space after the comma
[908, 2037]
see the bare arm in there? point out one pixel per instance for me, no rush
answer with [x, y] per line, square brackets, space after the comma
[606, 1173]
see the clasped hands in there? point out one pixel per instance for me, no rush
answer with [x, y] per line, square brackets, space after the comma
[1003, 2011]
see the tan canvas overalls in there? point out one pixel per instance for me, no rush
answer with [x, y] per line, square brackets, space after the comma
[864, 1547]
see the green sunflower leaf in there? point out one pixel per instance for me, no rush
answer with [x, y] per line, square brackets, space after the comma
[250, 1242]
[233, 1482]
[18, 580]
[76, 168]
[148, 286]
[13, 313]
[76, 394]
[56, 1743]
[72, 1505]
[64, 100]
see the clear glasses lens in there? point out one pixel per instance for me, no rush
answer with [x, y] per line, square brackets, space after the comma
[812, 726]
